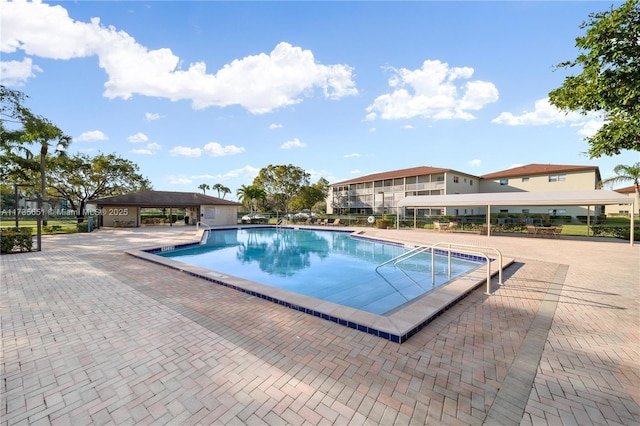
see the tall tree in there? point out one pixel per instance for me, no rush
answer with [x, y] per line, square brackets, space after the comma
[308, 196]
[203, 187]
[281, 183]
[627, 174]
[25, 129]
[220, 188]
[249, 195]
[81, 178]
[610, 81]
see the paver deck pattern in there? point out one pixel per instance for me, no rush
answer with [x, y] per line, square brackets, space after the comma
[91, 335]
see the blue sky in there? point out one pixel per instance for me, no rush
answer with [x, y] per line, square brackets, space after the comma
[211, 92]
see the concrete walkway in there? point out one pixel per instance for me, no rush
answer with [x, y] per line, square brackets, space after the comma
[91, 335]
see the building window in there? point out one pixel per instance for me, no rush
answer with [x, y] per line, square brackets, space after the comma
[456, 179]
[525, 211]
[471, 182]
[525, 179]
[557, 178]
[504, 181]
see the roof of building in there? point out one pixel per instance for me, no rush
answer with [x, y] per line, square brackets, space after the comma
[414, 171]
[543, 198]
[163, 199]
[626, 190]
[538, 169]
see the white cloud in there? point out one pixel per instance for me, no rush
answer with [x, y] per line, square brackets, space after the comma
[151, 116]
[355, 172]
[141, 151]
[246, 172]
[275, 126]
[372, 130]
[294, 143]
[260, 83]
[214, 149]
[591, 127]
[408, 126]
[138, 137]
[431, 92]
[475, 162]
[353, 155]
[178, 180]
[205, 176]
[91, 136]
[16, 73]
[544, 114]
[184, 151]
[149, 150]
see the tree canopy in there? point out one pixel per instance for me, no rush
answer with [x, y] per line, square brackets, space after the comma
[308, 196]
[610, 79]
[281, 183]
[80, 178]
[250, 195]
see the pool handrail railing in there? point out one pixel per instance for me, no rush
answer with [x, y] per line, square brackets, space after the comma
[478, 250]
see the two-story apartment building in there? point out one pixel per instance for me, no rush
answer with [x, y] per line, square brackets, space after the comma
[544, 178]
[623, 209]
[380, 192]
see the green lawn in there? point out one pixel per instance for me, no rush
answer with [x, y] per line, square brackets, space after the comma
[54, 226]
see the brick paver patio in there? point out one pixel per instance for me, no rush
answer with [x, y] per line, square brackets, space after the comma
[91, 335]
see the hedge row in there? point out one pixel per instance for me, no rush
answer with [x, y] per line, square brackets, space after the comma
[15, 239]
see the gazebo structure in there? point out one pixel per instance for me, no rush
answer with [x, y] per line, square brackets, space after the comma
[125, 210]
[524, 199]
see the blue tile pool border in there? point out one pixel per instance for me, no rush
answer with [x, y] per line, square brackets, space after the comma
[396, 338]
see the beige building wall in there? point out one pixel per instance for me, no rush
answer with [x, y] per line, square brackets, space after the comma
[561, 181]
[624, 209]
[219, 215]
[575, 181]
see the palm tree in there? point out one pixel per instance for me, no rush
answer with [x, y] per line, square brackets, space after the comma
[627, 174]
[248, 195]
[204, 187]
[221, 188]
[40, 131]
[35, 130]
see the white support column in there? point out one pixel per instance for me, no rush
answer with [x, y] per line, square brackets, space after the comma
[488, 220]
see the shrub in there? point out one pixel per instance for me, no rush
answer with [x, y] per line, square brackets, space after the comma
[382, 223]
[15, 239]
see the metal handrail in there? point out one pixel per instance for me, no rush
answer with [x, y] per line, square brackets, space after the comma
[204, 225]
[205, 234]
[399, 257]
[462, 248]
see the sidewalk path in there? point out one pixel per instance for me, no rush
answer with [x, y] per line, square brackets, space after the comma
[91, 335]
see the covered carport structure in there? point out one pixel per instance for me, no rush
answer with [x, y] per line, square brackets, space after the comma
[523, 199]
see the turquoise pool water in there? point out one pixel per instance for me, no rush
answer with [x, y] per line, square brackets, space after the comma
[327, 265]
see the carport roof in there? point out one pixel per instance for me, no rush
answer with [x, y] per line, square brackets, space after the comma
[558, 198]
[163, 199]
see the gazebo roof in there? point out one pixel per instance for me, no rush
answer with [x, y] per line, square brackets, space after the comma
[163, 199]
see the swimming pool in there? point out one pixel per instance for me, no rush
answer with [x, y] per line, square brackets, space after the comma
[397, 324]
[328, 265]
